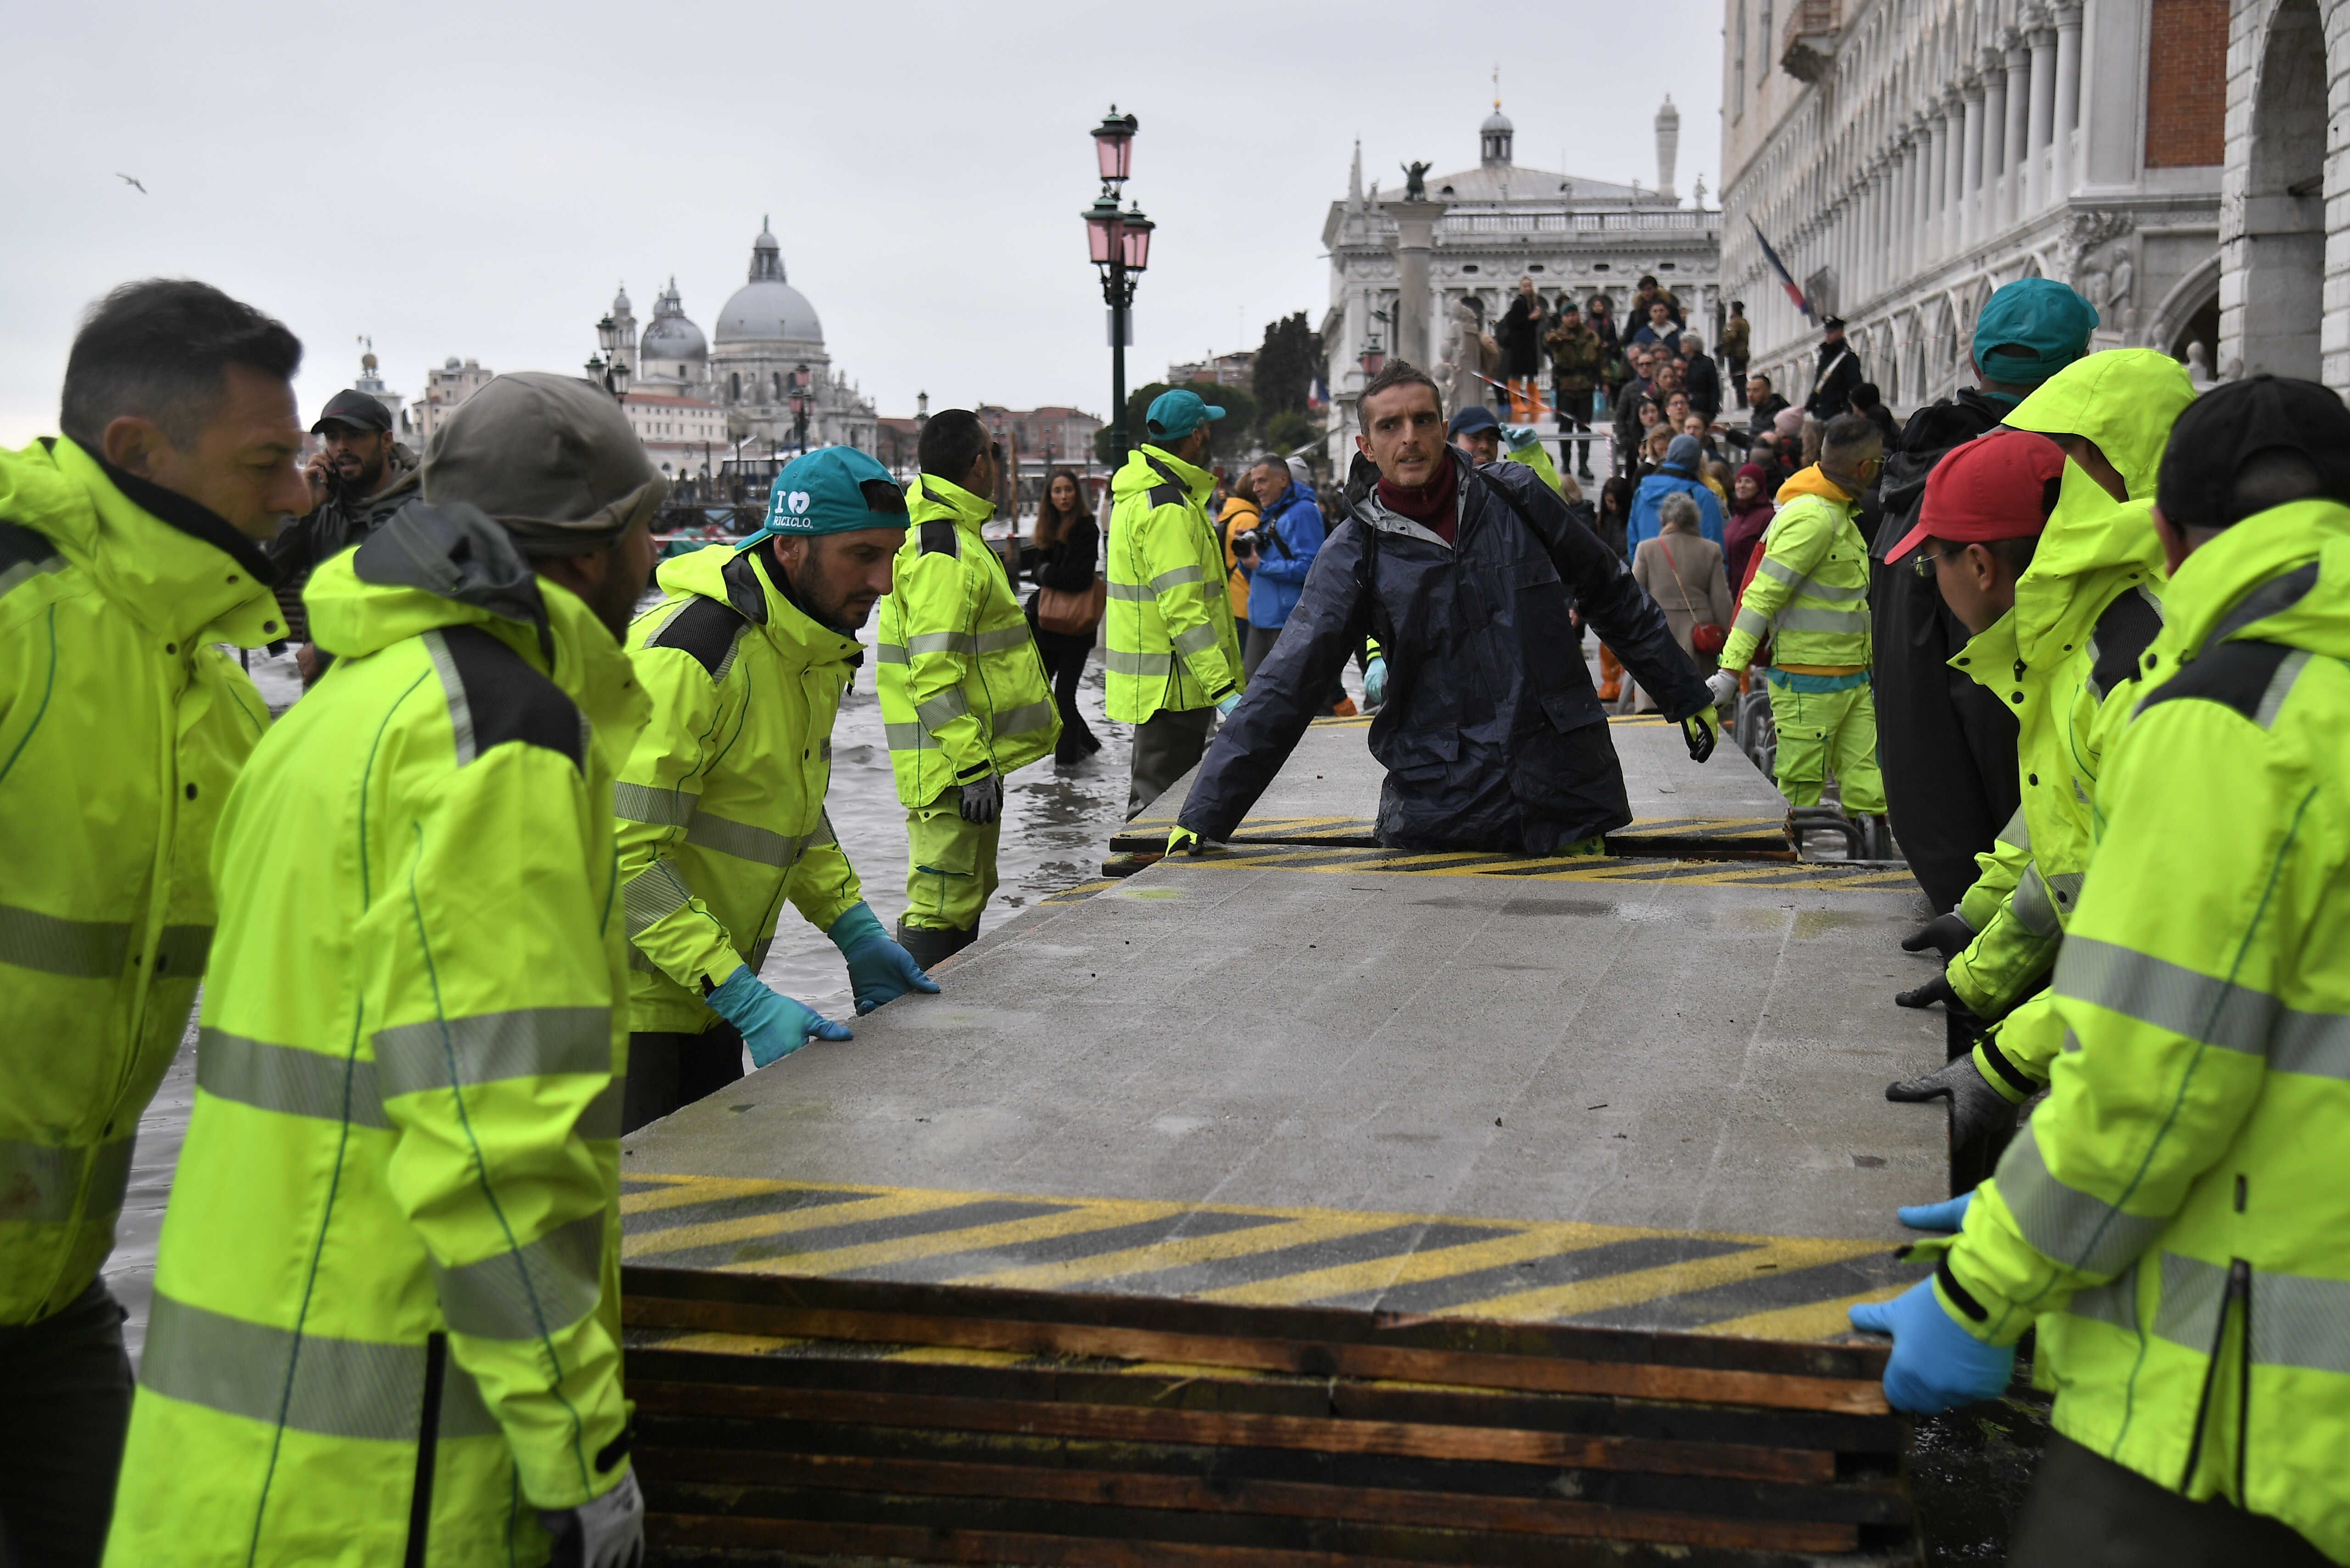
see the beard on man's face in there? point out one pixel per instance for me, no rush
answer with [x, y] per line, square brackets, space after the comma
[843, 609]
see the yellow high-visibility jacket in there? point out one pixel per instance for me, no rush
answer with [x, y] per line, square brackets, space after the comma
[1169, 622]
[1810, 596]
[721, 805]
[962, 687]
[399, 1188]
[2174, 1218]
[121, 729]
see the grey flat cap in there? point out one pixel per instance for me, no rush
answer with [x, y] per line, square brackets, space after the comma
[551, 458]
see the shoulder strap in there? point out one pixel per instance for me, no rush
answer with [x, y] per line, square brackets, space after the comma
[2271, 598]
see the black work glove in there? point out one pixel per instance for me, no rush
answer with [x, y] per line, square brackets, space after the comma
[1946, 934]
[982, 798]
[1934, 990]
[1976, 1107]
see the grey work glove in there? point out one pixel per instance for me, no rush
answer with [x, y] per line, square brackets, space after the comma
[607, 1532]
[1976, 1107]
[1722, 687]
[1946, 934]
[982, 798]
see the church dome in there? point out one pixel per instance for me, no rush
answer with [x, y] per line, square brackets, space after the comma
[1495, 122]
[767, 309]
[669, 335]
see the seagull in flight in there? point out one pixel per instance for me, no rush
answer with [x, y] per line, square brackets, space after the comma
[127, 180]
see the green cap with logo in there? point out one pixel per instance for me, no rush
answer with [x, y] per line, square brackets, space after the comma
[1175, 414]
[824, 491]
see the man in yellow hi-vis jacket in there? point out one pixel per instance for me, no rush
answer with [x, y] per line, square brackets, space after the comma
[127, 547]
[721, 802]
[386, 1320]
[2173, 1220]
[1174, 660]
[963, 692]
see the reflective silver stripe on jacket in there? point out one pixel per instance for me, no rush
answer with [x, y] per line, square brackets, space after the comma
[744, 841]
[909, 738]
[1798, 618]
[39, 1182]
[1752, 622]
[966, 642]
[527, 1043]
[657, 807]
[2030, 903]
[2298, 1320]
[1774, 567]
[2166, 995]
[460, 712]
[1022, 720]
[2317, 1044]
[1196, 639]
[2280, 687]
[2018, 831]
[309, 1382]
[1133, 591]
[653, 894]
[1120, 662]
[288, 1079]
[1174, 578]
[529, 1293]
[25, 571]
[79, 950]
[2078, 1231]
[889, 653]
[943, 709]
[2115, 1302]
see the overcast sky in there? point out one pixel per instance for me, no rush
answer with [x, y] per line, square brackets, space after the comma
[474, 179]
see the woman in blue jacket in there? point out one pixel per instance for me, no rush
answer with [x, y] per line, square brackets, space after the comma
[1679, 474]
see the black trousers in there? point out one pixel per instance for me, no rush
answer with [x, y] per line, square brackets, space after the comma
[64, 1407]
[1167, 746]
[669, 1071]
[1946, 747]
[1065, 665]
[2086, 1512]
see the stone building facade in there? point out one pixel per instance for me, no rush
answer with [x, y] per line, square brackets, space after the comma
[1906, 156]
[1490, 225]
[2284, 206]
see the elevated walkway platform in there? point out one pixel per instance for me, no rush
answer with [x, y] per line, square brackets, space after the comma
[1306, 1203]
[1328, 793]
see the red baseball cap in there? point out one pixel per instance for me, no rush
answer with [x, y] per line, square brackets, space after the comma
[2002, 486]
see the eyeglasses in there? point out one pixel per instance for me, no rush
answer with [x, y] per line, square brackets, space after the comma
[1923, 564]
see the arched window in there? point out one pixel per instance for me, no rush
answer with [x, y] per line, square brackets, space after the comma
[779, 383]
[734, 383]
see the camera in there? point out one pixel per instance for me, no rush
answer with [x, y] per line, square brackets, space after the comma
[1248, 542]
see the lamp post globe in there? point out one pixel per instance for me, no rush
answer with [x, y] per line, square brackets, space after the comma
[1114, 144]
[1119, 242]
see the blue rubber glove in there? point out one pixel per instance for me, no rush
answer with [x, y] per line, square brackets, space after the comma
[772, 1026]
[879, 971]
[1935, 1364]
[1224, 709]
[1375, 682]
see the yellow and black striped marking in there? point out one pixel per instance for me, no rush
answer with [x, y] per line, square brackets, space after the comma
[1814, 875]
[1778, 1287]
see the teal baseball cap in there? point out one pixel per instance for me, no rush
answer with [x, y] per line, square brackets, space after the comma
[2042, 318]
[1177, 413]
[823, 492]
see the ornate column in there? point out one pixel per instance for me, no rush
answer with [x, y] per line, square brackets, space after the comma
[1415, 233]
[2018, 61]
[1954, 171]
[1934, 230]
[1970, 172]
[2044, 113]
[1917, 165]
[1994, 159]
[2068, 97]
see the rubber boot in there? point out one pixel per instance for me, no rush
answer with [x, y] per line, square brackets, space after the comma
[930, 946]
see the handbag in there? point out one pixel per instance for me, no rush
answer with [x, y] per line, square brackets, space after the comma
[1707, 637]
[1072, 612]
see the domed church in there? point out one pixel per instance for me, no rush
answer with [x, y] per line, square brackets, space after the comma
[769, 344]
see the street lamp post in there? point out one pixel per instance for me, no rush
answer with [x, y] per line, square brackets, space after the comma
[1119, 243]
[608, 369]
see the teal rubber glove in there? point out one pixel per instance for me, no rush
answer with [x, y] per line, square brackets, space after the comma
[772, 1026]
[1936, 1364]
[879, 971]
[1375, 682]
[1224, 709]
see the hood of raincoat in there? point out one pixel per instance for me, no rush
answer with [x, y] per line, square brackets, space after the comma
[2125, 399]
[2094, 546]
